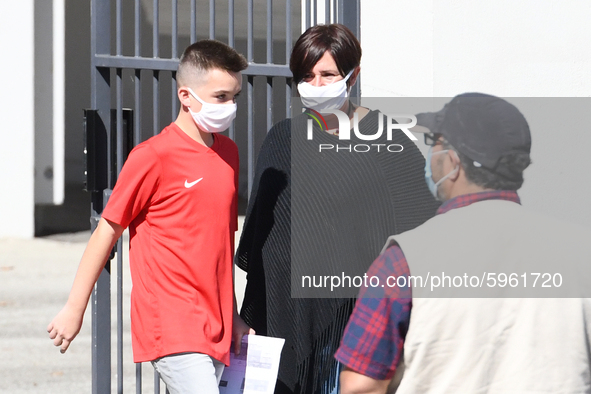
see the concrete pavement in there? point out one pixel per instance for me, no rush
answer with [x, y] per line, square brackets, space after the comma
[35, 278]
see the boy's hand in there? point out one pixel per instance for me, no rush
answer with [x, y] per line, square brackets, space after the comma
[239, 329]
[64, 327]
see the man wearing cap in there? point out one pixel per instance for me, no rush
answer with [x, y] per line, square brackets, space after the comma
[509, 339]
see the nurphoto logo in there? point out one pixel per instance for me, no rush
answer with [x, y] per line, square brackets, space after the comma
[344, 131]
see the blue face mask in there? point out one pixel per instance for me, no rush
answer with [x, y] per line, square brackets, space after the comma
[428, 174]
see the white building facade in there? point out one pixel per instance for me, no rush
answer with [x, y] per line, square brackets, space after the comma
[421, 48]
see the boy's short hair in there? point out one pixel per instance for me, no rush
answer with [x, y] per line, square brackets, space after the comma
[205, 55]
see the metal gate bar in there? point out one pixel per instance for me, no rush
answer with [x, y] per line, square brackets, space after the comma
[232, 130]
[174, 55]
[250, 92]
[269, 61]
[309, 20]
[101, 295]
[137, 124]
[147, 63]
[288, 45]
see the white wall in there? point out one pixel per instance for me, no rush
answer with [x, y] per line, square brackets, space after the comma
[17, 113]
[428, 48]
[49, 101]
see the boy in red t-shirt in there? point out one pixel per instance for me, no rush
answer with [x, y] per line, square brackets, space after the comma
[177, 193]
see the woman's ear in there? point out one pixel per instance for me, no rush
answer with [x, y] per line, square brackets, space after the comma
[353, 79]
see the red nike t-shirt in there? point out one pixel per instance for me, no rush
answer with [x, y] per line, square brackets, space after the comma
[179, 199]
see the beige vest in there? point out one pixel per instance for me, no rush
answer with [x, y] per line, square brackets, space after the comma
[498, 344]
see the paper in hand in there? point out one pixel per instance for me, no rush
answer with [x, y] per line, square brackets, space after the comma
[254, 371]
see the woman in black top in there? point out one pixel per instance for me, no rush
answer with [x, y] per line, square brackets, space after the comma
[317, 211]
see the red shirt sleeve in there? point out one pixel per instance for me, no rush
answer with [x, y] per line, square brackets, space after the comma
[136, 186]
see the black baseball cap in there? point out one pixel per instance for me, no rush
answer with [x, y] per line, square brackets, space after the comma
[482, 127]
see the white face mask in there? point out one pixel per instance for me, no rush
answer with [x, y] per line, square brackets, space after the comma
[319, 98]
[213, 118]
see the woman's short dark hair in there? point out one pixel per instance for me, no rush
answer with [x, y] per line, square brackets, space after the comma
[311, 46]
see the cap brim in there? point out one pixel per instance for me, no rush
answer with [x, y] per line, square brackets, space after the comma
[420, 129]
[426, 123]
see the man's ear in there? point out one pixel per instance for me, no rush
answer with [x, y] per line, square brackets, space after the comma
[184, 96]
[455, 160]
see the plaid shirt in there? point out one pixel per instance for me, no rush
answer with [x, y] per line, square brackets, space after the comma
[374, 337]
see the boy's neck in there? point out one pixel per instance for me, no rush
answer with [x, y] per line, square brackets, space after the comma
[189, 127]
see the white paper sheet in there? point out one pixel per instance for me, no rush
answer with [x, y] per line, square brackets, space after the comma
[254, 371]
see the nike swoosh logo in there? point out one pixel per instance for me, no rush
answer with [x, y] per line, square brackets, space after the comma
[188, 185]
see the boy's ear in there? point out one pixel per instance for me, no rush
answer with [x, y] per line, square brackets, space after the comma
[184, 96]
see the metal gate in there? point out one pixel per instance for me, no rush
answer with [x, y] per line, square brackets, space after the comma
[135, 46]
